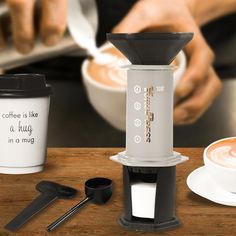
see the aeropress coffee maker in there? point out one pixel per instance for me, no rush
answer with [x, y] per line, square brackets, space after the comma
[149, 162]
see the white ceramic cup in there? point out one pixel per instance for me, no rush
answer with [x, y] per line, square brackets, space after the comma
[108, 101]
[24, 108]
[225, 177]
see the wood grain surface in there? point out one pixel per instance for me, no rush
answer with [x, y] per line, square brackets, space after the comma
[74, 166]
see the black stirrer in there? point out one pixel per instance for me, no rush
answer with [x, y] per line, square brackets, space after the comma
[50, 192]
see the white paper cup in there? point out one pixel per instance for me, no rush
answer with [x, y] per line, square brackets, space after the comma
[24, 108]
[225, 177]
[108, 101]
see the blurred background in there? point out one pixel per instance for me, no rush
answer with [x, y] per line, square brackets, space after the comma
[74, 123]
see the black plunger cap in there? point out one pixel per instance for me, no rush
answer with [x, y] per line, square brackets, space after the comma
[150, 48]
[24, 86]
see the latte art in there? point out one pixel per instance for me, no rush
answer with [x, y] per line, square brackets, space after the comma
[106, 69]
[223, 153]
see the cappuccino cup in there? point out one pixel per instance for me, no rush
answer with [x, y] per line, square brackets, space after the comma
[220, 162]
[24, 108]
[105, 83]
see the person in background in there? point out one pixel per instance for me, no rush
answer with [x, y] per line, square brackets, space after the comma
[199, 86]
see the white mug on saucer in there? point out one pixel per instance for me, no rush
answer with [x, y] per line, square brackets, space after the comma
[220, 162]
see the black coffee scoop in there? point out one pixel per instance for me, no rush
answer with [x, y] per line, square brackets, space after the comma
[97, 190]
[50, 192]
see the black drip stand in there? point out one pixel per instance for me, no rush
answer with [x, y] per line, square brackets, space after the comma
[165, 198]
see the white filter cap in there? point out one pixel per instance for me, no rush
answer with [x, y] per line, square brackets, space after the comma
[143, 199]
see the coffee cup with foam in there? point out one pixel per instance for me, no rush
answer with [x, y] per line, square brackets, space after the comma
[105, 82]
[220, 162]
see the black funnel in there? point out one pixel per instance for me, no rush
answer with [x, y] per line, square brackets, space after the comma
[150, 48]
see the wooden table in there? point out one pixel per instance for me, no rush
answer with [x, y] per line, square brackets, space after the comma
[73, 166]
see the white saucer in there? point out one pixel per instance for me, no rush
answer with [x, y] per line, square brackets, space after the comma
[201, 183]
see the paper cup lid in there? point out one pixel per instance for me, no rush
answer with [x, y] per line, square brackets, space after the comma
[24, 86]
